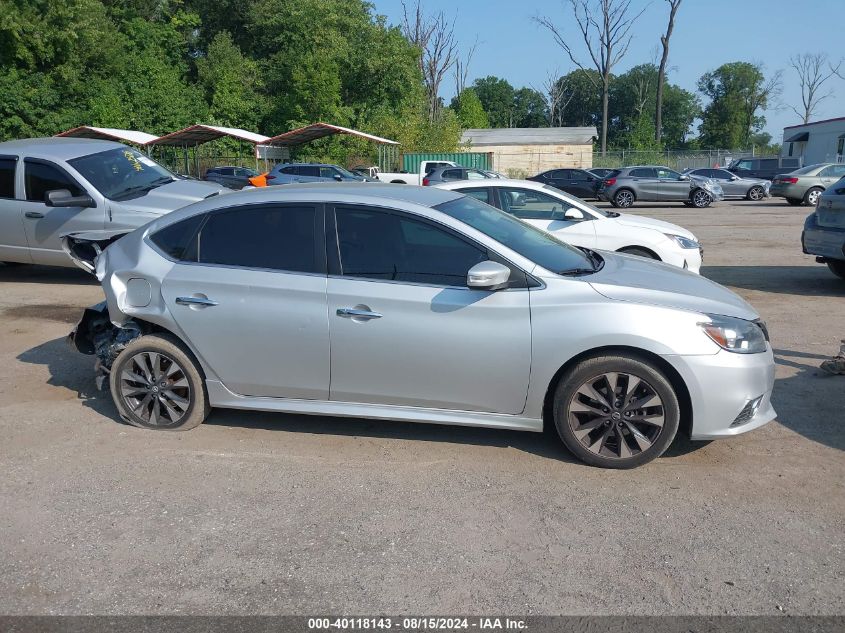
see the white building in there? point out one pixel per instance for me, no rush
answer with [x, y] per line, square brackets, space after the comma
[817, 142]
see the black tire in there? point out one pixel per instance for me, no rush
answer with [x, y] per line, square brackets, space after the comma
[812, 196]
[755, 193]
[623, 199]
[615, 434]
[157, 413]
[700, 199]
[639, 252]
[837, 267]
[794, 201]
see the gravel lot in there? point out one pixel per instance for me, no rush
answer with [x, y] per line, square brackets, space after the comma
[274, 514]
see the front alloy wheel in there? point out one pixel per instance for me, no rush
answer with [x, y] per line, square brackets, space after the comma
[616, 412]
[812, 197]
[756, 193]
[701, 199]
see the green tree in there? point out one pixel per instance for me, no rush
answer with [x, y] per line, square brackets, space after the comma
[529, 109]
[580, 103]
[497, 99]
[468, 108]
[738, 92]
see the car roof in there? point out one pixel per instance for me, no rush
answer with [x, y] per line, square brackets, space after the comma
[492, 182]
[306, 165]
[425, 196]
[57, 148]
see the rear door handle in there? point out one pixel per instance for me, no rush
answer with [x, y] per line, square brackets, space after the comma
[34, 215]
[355, 313]
[195, 301]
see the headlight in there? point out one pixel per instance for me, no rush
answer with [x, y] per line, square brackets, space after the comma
[736, 335]
[683, 242]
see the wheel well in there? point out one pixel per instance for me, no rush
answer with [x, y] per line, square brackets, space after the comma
[153, 328]
[672, 376]
[625, 249]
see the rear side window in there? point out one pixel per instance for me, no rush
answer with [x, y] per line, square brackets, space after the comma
[41, 178]
[178, 240]
[643, 173]
[454, 174]
[7, 177]
[380, 245]
[274, 237]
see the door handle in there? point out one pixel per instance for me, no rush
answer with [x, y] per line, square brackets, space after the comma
[34, 215]
[195, 301]
[356, 313]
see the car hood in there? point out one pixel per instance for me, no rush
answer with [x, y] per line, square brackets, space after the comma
[174, 195]
[640, 280]
[649, 223]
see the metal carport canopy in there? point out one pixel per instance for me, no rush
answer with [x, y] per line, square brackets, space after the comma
[199, 134]
[319, 130]
[110, 134]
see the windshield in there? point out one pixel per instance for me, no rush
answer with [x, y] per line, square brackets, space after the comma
[347, 174]
[578, 203]
[532, 243]
[122, 173]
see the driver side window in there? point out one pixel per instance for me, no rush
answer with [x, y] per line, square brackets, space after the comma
[528, 204]
[667, 174]
[42, 177]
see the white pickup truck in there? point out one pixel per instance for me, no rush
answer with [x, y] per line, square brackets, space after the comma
[406, 178]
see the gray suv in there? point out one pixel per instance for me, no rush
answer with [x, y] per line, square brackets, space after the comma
[53, 186]
[650, 183]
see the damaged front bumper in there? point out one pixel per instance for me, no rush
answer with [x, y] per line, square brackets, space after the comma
[96, 335]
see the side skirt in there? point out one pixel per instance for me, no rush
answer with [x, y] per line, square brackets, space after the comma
[220, 396]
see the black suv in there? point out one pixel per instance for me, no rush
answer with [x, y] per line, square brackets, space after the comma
[578, 182]
[766, 168]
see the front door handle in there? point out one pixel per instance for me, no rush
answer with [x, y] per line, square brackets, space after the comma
[357, 313]
[195, 301]
[34, 215]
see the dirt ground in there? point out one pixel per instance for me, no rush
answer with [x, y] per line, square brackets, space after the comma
[282, 514]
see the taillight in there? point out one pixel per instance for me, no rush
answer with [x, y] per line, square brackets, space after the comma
[609, 182]
[425, 182]
[791, 181]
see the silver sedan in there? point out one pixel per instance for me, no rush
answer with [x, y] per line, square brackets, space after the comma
[733, 186]
[417, 304]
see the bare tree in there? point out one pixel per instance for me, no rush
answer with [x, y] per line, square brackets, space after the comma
[605, 27]
[812, 75]
[461, 68]
[434, 36]
[557, 93]
[661, 71]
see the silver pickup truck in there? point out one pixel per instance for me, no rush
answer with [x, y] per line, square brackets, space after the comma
[50, 187]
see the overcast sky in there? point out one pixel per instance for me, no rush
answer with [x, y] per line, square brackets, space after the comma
[708, 33]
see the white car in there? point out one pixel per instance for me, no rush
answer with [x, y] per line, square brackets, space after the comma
[581, 224]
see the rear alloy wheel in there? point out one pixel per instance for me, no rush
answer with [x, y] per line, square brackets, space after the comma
[812, 196]
[623, 199]
[156, 384]
[701, 199]
[794, 201]
[616, 411]
[837, 267]
[756, 193]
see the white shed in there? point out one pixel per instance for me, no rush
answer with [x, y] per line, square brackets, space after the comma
[816, 142]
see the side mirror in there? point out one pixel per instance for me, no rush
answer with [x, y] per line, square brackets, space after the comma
[488, 276]
[683, 177]
[338, 177]
[734, 177]
[62, 198]
[573, 214]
